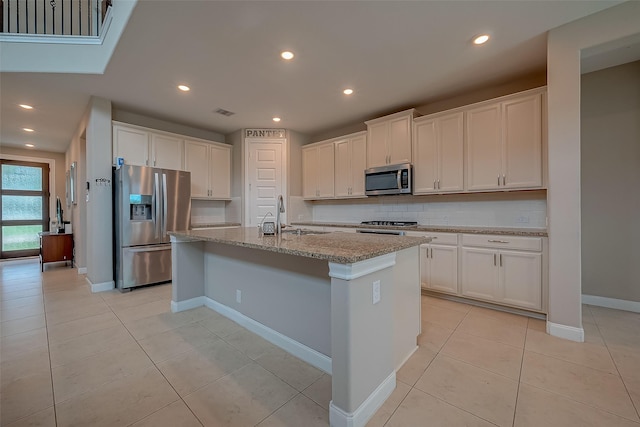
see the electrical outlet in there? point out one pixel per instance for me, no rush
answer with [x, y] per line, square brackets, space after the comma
[238, 296]
[376, 291]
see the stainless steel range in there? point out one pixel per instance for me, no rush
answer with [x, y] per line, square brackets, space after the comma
[387, 223]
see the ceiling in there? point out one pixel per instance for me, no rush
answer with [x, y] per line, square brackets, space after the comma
[393, 54]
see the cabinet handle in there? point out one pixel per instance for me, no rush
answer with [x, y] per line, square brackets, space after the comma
[434, 184]
[500, 260]
[438, 184]
[497, 241]
[154, 162]
[494, 259]
[432, 253]
[498, 180]
[504, 180]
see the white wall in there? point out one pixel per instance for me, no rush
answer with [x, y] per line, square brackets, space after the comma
[99, 214]
[610, 180]
[521, 209]
[207, 211]
[563, 202]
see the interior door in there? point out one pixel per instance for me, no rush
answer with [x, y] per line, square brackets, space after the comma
[264, 181]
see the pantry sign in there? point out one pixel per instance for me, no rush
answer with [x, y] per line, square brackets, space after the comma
[264, 133]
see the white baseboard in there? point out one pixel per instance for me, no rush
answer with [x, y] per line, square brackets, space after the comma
[360, 417]
[82, 270]
[406, 358]
[187, 304]
[619, 304]
[566, 332]
[299, 350]
[101, 287]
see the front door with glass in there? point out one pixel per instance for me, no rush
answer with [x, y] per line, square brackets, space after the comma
[24, 206]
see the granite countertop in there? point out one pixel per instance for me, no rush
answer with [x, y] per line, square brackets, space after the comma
[341, 248]
[215, 225]
[525, 232]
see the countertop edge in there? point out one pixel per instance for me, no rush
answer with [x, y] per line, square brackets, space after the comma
[506, 231]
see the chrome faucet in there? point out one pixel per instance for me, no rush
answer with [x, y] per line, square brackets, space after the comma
[279, 210]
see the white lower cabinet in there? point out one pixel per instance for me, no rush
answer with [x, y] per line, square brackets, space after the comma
[439, 262]
[507, 270]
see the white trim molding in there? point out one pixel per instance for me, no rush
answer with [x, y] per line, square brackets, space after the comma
[187, 304]
[101, 287]
[82, 270]
[362, 268]
[360, 417]
[299, 350]
[618, 304]
[566, 332]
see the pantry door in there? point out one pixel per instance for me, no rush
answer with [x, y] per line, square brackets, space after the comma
[265, 181]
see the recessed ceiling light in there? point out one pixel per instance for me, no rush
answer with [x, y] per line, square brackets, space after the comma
[184, 88]
[481, 39]
[26, 107]
[27, 130]
[347, 91]
[276, 119]
[287, 55]
[29, 145]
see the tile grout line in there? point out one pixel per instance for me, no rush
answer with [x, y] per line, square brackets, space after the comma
[524, 349]
[156, 367]
[626, 389]
[46, 326]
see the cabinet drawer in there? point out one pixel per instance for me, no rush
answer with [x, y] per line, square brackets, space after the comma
[437, 238]
[503, 242]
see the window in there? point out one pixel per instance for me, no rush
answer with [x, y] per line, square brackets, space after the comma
[24, 207]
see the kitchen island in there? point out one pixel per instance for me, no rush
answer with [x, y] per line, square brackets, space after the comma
[348, 304]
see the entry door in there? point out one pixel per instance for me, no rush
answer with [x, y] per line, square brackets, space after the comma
[265, 182]
[24, 207]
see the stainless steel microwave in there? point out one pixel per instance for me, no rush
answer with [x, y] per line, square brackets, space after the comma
[392, 179]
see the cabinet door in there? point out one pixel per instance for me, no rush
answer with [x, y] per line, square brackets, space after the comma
[484, 147]
[358, 164]
[424, 267]
[480, 273]
[132, 145]
[450, 153]
[400, 140]
[166, 152]
[220, 171]
[309, 168]
[343, 168]
[377, 138]
[522, 142]
[521, 279]
[325, 171]
[425, 152]
[196, 161]
[443, 268]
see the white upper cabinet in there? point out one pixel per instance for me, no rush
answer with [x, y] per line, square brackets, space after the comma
[438, 153]
[504, 144]
[166, 152]
[132, 144]
[210, 167]
[318, 171]
[350, 163]
[146, 147]
[389, 139]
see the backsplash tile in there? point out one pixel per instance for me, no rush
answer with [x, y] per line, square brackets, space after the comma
[519, 210]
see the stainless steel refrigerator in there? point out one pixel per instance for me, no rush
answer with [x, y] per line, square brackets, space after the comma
[148, 203]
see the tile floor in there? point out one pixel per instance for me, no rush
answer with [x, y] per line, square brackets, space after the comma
[72, 358]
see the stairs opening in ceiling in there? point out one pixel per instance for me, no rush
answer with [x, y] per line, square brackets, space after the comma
[53, 17]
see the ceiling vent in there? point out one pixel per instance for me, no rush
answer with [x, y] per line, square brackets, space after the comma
[224, 112]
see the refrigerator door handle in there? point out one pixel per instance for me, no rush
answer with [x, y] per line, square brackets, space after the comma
[156, 192]
[164, 205]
